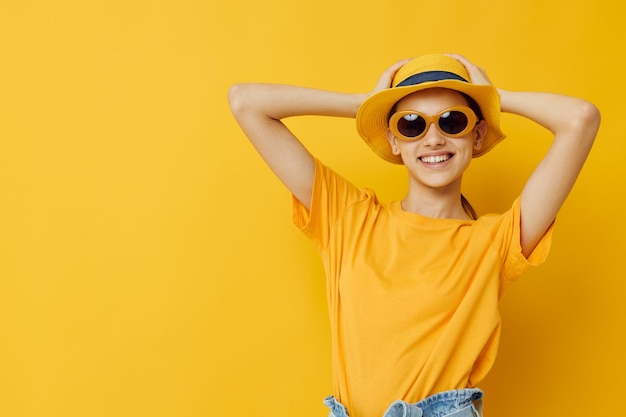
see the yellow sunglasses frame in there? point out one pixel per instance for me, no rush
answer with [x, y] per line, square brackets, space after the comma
[472, 120]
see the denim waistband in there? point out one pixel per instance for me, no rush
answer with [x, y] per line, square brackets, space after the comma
[454, 403]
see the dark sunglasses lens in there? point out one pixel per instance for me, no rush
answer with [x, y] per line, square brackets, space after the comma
[453, 122]
[411, 125]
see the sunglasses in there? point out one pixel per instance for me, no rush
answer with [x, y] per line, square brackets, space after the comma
[412, 125]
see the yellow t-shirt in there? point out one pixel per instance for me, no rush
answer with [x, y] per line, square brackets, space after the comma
[413, 301]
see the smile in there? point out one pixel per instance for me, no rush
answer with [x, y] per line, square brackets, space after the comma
[435, 159]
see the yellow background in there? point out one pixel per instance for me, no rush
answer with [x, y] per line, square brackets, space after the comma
[148, 265]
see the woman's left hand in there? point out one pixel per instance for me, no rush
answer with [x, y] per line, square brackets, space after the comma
[477, 74]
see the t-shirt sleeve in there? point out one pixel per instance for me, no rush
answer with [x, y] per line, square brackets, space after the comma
[332, 194]
[508, 238]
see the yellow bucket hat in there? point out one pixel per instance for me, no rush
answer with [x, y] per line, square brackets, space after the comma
[428, 71]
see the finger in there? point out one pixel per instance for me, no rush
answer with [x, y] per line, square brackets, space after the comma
[477, 74]
[387, 76]
[391, 71]
[466, 62]
[400, 63]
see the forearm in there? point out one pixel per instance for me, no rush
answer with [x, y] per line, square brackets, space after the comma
[557, 113]
[276, 101]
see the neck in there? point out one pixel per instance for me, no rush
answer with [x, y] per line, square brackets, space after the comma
[443, 203]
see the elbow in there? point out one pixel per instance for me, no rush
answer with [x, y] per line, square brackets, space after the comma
[591, 114]
[236, 98]
[584, 121]
[593, 117]
[247, 99]
[589, 118]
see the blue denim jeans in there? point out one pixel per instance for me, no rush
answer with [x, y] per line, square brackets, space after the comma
[456, 403]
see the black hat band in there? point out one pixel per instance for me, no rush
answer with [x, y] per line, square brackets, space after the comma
[429, 76]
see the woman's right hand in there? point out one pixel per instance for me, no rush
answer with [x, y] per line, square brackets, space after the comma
[386, 78]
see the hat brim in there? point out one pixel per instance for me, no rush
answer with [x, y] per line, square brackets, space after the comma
[372, 117]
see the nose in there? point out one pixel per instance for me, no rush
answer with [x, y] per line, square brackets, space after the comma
[433, 136]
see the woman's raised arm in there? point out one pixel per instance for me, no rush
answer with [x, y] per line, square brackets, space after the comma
[259, 109]
[574, 123]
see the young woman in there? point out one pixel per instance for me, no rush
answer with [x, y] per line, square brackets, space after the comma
[414, 285]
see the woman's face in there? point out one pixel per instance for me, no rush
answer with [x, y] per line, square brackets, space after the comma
[436, 160]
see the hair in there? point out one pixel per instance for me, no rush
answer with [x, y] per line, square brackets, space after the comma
[467, 207]
[479, 114]
[472, 104]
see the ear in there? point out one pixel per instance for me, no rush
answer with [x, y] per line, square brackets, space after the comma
[479, 134]
[393, 142]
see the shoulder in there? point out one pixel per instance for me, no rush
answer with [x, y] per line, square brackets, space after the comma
[505, 232]
[510, 217]
[327, 180]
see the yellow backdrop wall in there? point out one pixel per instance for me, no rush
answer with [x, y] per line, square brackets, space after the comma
[148, 265]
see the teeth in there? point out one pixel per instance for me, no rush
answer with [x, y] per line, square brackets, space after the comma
[435, 159]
